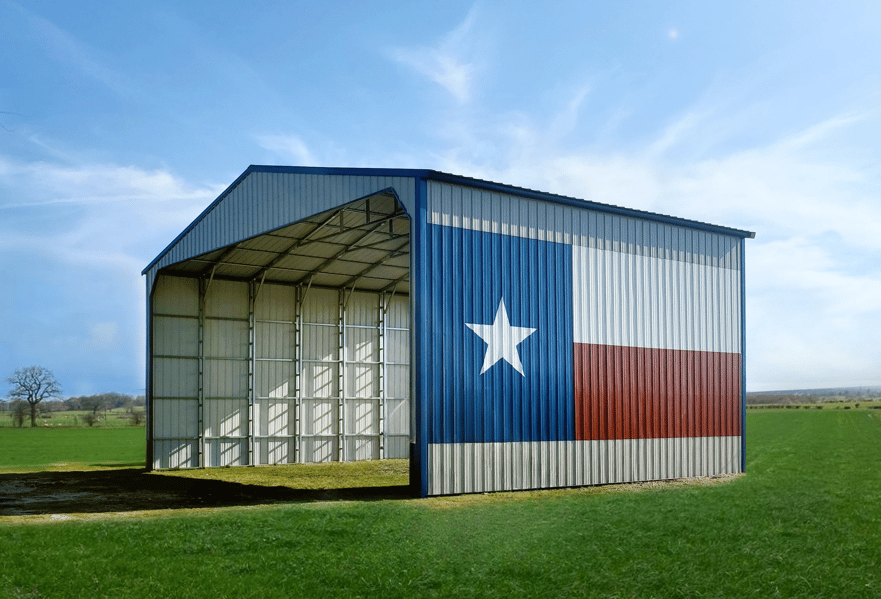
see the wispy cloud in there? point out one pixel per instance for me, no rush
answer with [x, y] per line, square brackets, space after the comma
[65, 48]
[447, 63]
[814, 271]
[94, 213]
[78, 235]
[289, 147]
[45, 184]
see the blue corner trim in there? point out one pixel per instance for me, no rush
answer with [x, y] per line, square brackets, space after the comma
[421, 332]
[742, 356]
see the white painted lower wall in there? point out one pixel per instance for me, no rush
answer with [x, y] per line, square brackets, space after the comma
[484, 467]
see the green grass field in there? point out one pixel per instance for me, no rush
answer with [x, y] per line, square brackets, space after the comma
[803, 522]
[71, 448]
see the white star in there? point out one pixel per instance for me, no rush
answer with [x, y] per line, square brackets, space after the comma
[501, 340]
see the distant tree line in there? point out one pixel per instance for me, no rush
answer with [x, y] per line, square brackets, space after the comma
[95, 406]
[34, 392]
[787, 399]
[99, 402]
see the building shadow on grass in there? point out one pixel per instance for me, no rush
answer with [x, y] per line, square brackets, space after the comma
[131, 489]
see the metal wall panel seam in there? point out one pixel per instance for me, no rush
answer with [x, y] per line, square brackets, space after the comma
[252, 342]
[383, 372]
[341, 374]
[298, 365]
[200, 443]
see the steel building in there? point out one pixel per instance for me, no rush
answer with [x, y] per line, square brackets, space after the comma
[500, 338]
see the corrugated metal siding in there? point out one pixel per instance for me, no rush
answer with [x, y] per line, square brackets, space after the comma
[264, 201]
[643, 301]
[485, 467]
[475, 209]
[298, 411]
[656, 330]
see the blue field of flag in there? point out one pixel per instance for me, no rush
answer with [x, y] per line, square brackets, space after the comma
[503, 343]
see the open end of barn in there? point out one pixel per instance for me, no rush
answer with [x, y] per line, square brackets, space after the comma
[554, 342]
[289, 346]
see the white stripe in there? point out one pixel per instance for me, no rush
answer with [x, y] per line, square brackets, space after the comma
[483, 467]
[640, 301]
[475, 209]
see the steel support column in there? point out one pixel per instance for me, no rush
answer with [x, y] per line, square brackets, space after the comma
[200, 442]
[252, 300]
[382, 308]
[299, 297]
[341, 364]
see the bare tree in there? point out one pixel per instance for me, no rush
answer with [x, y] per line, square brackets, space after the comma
[33, 384]
[94, 404]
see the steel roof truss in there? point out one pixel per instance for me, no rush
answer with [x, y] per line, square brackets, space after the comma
[342, 252]
[399, 251]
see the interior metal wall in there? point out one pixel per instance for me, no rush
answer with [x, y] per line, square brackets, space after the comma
[249, 374]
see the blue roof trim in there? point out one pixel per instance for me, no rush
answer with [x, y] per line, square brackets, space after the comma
[427, 174]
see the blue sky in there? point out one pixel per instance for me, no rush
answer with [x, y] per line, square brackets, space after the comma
[120, 122]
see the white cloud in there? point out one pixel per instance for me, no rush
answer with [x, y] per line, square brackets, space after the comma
[74, 239]
[810, 322]
[290, 147]
[812, 315]
[446, 62]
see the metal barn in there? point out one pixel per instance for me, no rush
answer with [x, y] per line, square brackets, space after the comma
[500, 338]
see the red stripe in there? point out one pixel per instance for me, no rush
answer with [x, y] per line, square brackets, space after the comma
[638, 393]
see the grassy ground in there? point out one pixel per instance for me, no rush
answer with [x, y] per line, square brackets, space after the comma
[803, 522]
[71, 448]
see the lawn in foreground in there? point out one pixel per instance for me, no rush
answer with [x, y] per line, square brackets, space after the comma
[804, 522]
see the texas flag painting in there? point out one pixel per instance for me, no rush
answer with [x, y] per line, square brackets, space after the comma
[557, 364]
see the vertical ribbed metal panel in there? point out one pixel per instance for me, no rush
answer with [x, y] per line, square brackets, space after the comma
[174, 380]
[397, 379]
[653, 314]
[225, 417]
[275, 384]
[362, 377]
[320, 375]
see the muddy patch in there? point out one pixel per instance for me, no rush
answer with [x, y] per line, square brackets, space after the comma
[135, 490]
